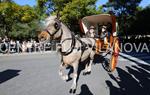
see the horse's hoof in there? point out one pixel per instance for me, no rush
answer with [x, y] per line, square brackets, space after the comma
[65, 78]
[72, 91]
[71, 75]
[69, 79]
[84, 73]
[60, 73]
[89, 72]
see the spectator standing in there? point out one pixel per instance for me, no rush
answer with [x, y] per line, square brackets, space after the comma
[29, 46]
[24, 46]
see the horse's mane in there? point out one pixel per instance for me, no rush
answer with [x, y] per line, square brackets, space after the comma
[64, 26]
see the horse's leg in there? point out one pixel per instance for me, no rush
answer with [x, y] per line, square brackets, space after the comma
[89, 67]
[75, 75]
[61, 72]
[86, 69]
[91, 61]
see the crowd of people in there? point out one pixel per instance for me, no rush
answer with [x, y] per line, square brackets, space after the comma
[8, 45]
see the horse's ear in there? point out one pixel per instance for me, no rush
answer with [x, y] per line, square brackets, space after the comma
[58, 15]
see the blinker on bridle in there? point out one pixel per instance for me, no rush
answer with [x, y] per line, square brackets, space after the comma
[57, 26]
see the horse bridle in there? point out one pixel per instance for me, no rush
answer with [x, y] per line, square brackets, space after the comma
[57, 26]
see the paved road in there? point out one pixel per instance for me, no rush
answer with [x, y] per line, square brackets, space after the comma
[37, 74]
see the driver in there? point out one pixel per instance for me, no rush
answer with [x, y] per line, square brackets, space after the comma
[91, 32]
[104, 34]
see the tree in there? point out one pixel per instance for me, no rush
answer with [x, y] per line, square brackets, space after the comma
[126, 11]
[71, 11]
[11, 14]
[140, 25]
[6, 1]
[7, 14]
[25, 30]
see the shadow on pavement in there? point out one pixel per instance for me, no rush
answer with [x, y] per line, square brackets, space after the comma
[85, 90]
[113, 90]
[8, 74]
[98, 59]
[80, 69]
[134, 81]
[146, 67]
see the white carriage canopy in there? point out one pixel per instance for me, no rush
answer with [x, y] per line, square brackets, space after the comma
[102, 19]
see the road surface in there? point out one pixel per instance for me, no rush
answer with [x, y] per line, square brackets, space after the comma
[37, 74]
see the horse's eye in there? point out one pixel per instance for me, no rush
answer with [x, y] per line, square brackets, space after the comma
[56, 25]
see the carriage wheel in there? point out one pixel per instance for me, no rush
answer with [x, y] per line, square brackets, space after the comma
[106, 64]
[114, 56]
[110, 63]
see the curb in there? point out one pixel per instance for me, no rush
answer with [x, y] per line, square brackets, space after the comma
[32, 53]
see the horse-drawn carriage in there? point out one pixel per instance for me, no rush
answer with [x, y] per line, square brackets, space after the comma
[103, 28]
[100, 29]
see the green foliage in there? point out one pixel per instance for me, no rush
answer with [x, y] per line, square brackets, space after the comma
[77, 9]
[126, 11]
[25, 30]
[124, 7]
[71, 11]
[141, 24]
[27, 14]
[14, 16]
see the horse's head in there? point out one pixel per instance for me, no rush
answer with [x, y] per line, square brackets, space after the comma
[53, 26]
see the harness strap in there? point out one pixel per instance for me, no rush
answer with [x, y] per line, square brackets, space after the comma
[83, 44]
[65, 53]
[53, 33]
